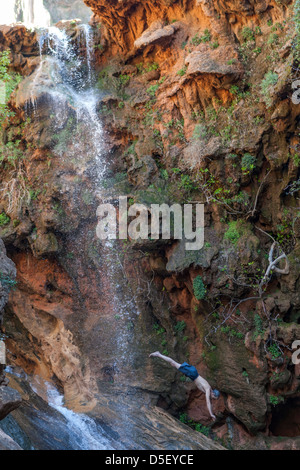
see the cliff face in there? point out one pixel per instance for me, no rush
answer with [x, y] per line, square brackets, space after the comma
[205, 109]
[195, 100]
[9, 399]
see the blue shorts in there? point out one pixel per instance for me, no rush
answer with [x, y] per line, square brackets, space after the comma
[188, 370]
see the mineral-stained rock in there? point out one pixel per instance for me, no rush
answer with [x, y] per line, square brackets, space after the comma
[7, 443]
[43, 244]
[61, 321]
[214, 61]
[157, 33]
[23, 46]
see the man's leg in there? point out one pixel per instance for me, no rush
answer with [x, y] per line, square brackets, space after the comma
[166, 358]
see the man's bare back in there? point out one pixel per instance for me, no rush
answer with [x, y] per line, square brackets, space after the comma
[191, 372]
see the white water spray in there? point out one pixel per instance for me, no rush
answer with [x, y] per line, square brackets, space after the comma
[85, 433]
[31, 13]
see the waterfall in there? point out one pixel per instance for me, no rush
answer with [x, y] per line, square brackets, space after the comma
[30, 12]
[72, 86]
[85, 434]
[7, 12]
[70, 96]
[73, 431]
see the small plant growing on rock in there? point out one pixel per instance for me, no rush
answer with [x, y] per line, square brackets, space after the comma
[10, 81]
[248, 163]
[200, 132]
[7, 281]
[233, 233]
[182, 71]
[275, 400]
[199, 39]
[274, 351]
[196, 426]
[272, 39]
[153, 89]
[186, 183]
[259, 329]
[199, 288]
[180, 326]
[159, 329]
[270, 79]
[4, 219]
[248, 34]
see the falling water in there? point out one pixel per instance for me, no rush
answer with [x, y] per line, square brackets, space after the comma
[71, 431]
[32, 13]
[72, 90]
[72, 77]
[85, 433]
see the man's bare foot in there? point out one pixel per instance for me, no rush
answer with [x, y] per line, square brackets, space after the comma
[155, 354]
[213, 417]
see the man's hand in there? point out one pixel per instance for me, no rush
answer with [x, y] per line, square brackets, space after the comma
[155, 354]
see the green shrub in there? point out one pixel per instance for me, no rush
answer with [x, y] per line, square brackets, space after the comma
[180, 326]
[183, 417]
[233, 233]
[248, 34]
[153, 89]
[272, 39]
[203, 429]
[199, 39]
[275, 400]
[270, 79]
[10, 81]
[248, 163]
[200, 132]
[7, 281]
[199, 288]
[274, 351]
[159, 329]
[182, 71]
[4, 219]
[296, 159]
[186, 183]
[259, 328]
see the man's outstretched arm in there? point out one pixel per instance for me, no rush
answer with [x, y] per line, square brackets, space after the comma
[208, 403]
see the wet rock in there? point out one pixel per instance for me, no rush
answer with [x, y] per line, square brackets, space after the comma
[44, 243]
[142, 171]
[9, 400]
[180, 259]
[7, 276]
[7, 443]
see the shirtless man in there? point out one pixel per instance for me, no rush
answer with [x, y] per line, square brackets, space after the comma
[192, 373]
